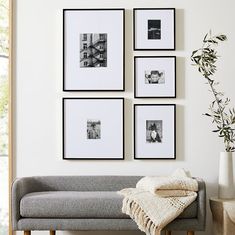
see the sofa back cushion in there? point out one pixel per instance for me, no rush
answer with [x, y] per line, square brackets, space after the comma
[84, 183]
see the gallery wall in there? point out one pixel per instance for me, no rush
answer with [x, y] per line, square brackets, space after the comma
[38, 91]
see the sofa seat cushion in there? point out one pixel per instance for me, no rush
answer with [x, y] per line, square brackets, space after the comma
[72, 204]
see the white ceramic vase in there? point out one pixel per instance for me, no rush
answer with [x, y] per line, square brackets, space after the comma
[226, 183]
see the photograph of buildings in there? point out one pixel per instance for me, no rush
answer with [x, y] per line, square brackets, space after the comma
[93, 50]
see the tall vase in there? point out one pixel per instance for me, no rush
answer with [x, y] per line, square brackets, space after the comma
[226, 184]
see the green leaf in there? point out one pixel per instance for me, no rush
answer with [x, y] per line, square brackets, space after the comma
[204, 39]
[194, 53]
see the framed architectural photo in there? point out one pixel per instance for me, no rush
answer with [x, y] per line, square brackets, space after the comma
[154, 28]
[155, 76]
[93, 49]
[90, 132]
[154, 131]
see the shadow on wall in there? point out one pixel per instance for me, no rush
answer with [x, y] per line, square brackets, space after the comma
[128, 130]
[128, 52]
[179, 15]
[180, 78]
[180, 133]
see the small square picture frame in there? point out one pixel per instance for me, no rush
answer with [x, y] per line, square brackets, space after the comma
[154, 29]
[89, 132]
[154, 131]
[155, 76]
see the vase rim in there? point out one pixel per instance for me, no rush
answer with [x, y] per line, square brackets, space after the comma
[224, 152]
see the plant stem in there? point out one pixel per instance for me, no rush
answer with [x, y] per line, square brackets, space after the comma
[221, 113]
[217, 100]
[213, 91]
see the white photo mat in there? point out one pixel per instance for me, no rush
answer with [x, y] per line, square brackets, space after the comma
[155, 150]
[164, 65]
[167, 28]
[94, 21]
[78, 114]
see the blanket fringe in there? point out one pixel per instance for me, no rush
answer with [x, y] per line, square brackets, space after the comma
[145, 224]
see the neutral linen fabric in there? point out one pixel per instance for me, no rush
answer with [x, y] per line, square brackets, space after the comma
[70, 204]
[152, 211]
[34, 184]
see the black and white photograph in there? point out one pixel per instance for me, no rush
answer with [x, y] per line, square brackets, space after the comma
[93, 50]
[93, 129]
[89, 132]
[154, 131]
[154, 29]
[154, 76]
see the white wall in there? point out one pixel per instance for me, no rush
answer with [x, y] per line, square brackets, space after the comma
[38, 90]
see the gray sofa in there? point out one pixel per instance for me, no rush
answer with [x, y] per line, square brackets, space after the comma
[86, 203]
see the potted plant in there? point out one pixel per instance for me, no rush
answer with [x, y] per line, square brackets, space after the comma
[222, 116]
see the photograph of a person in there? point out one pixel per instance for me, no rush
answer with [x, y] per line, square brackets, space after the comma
[93, 50]
[154, 131]
[154, 29]
[93, 129]
[154, 77]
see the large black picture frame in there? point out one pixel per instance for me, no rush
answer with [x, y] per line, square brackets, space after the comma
[119, 72]
[111, 116]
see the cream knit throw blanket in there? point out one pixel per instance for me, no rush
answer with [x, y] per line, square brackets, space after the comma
[156, 201]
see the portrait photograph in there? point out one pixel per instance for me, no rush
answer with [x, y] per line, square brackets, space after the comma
[155, 76]
[154, 131]
[93, 129]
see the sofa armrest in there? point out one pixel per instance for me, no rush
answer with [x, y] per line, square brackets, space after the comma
[201, 211]
[21, 187]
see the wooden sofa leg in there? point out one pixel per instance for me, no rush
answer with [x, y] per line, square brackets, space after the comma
[27, 232]
[52, 232]
[190, 233]
[168, 232]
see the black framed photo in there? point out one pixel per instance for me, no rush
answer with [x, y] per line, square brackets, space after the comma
[154, 28]
[93, 49]
[155, 76]
[90, 132]
[154, 131]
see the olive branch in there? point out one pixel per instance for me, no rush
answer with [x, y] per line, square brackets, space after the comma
[222, 116]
